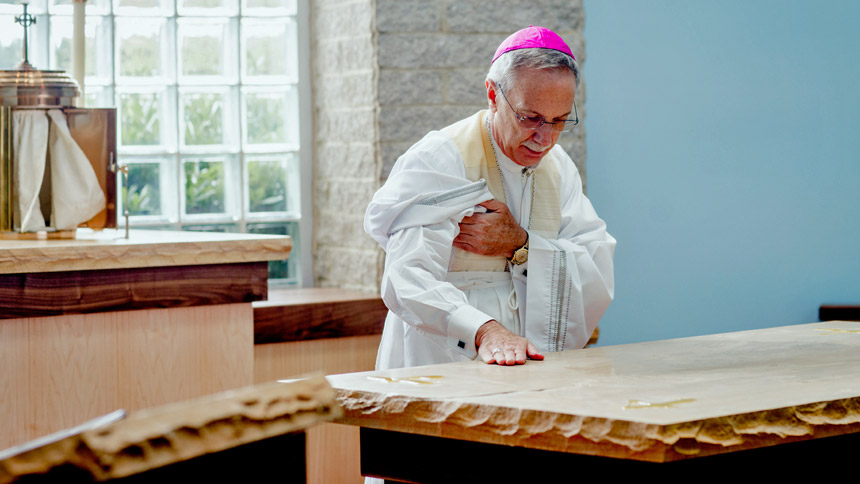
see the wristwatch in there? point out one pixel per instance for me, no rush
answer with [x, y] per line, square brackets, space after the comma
[521, 255]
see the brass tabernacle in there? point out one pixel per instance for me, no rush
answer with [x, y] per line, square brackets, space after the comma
[27, 89]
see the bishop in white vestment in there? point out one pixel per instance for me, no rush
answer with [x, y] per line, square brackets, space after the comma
[492, 249]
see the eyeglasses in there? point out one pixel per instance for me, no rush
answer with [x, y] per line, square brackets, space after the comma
[535, 122]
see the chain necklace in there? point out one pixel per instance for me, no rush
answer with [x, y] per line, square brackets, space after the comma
[527, 172]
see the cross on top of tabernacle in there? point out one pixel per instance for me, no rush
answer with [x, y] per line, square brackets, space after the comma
[26, 20]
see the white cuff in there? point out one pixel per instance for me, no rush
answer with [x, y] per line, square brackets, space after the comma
[462, 328]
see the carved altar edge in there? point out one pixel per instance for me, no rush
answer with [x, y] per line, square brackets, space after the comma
[660, 401]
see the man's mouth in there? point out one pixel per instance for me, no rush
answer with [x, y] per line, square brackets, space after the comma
[536, 148]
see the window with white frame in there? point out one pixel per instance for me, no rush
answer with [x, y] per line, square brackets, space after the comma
[207, 96]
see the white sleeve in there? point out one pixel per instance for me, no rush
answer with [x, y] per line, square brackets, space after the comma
[570, 279]
[416, 263]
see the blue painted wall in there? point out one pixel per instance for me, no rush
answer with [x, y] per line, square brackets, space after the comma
[724, 154]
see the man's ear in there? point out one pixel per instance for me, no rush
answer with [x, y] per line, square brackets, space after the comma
[491, 94]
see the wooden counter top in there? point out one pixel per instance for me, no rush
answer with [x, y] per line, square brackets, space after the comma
[102, 271]
[107, 249]
[658, 401]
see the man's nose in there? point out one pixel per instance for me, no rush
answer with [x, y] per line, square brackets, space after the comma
[543, 134]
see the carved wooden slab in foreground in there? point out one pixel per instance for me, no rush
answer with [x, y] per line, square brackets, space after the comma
[658, 401]
[173, 433]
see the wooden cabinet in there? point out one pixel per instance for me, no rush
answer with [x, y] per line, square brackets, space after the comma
[101, 322]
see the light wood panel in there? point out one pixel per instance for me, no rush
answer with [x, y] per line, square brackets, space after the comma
[177, 354]
[339, 355]
[73, 370]
[77, 367]
[15, 412]
[332, 449]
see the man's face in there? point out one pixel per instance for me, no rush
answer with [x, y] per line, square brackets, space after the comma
[544, 92]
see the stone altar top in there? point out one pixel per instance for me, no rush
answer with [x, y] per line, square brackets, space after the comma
[656, 401]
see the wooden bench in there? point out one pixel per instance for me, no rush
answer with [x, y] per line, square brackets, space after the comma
[839, 312]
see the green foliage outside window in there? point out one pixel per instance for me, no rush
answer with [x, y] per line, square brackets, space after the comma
[265, 3]
[202, 3]
[266, 118]
[64, 56]
[232, 228]
[144, 197]
[139, 119]
[11, 54]
[265, 56]
[201, 56]
[138, 3]
[203, 119]
[139, 56]
[280, 269]
[204, 187]
[266, 190]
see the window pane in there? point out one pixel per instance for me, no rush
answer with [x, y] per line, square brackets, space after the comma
[145, 226]
[144, 189]
[93, 7]
[14, 7]
[268, 49]
[11, 42]
[267, 185]
[266, 115]
[139, 3]
[204, 186]
[221, 8]
[211, 228]
[140, 47]
[269, 7]
[98, 97]
[61, 44]
[140, 118]
[12, 35]
[284, 270]
[143, 7]
[203, 114]
[204, 50]
[97, 33]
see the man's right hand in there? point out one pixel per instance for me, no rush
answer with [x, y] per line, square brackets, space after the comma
[498, 345]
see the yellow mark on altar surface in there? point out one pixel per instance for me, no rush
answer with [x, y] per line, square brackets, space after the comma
[838, 330]
[413, 380]
[631, 404]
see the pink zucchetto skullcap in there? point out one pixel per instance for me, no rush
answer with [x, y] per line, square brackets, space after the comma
[533, 38]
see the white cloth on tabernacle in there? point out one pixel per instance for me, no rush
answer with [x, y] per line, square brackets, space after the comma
[76, 195]
[75, 191]
[30, 145]
[555, 299]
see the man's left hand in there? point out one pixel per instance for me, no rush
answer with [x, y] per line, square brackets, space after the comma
[494, 233]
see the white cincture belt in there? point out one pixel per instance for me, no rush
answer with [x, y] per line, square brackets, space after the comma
[469, 280]
[478, 279]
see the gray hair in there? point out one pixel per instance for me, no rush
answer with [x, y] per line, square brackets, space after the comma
[503, 71]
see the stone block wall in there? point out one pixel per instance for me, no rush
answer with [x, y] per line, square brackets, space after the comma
[343, 61]
[385, 73]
